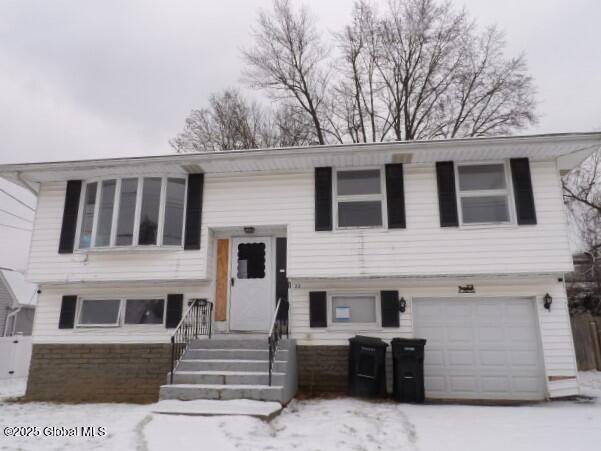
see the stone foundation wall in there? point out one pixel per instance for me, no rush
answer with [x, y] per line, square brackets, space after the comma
[322, 369]
[98, 372]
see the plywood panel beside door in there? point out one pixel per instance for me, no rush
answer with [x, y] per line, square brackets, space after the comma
[223, 253]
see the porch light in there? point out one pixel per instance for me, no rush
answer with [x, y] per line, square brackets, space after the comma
[547, 301]
[402, 305]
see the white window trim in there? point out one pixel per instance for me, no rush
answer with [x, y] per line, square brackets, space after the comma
[121, 315]
[359, 197]
[78, 310]
[350, 326]
[507, 192]
[138, 208]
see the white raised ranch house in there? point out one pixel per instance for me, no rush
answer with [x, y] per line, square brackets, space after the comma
[462, 242]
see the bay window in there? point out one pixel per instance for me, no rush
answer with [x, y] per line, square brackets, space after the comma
[359, 198]
[483, 192]
[144, 211]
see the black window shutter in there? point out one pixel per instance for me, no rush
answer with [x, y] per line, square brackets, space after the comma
[447, 199]
[522, 190]
[389, 302]
[66, 319]
[318, 309]
[175, 305]
[68, 229]
[194, 211]
[323, 199]
[395, 196]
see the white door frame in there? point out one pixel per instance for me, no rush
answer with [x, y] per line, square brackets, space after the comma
[262, 289]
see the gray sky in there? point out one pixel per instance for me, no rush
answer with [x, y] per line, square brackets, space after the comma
[114, 78]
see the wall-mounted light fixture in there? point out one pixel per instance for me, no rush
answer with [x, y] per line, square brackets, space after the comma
[402, 305]
[249, 230]
[547, 301]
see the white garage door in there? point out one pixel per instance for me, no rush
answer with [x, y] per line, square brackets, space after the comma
[485, 348]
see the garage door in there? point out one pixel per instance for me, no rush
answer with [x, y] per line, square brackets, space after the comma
[486, 348]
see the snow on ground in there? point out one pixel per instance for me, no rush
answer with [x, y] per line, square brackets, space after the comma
[10, 388]
[345, 424]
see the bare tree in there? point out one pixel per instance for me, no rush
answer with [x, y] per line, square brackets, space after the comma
[436, 76]
[582, 195]
[288, 59]
[231, 122]
[416, 69]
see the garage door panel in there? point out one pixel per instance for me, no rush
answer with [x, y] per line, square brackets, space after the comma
[461, 358]
[523, 358]
[493, 358]
[458, 334]
[494, 334]
[464, 383]
[458, 312]
[480, 348]
[495, 384]
[524, 385]
[434, 357]
[435, 383]
[489, 312]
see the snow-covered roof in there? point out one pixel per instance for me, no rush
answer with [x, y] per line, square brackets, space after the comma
[568, 149]
[24, 293]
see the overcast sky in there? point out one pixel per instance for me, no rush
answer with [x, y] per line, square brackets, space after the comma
[90, 79]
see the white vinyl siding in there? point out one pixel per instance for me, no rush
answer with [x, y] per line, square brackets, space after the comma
[287, 200]
[47, 314]
[554, 326]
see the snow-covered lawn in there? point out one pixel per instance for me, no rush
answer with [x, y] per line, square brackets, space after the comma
[345, 424]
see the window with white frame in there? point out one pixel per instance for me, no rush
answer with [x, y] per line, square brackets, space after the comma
[483, 192]
[144, 311]
[359, 198]
[96, 312]
[132, 211]
[353, 309]
[99, 312]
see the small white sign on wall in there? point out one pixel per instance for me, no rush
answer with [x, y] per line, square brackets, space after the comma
[343, 313]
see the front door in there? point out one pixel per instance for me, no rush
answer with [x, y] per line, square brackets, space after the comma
[252, 284]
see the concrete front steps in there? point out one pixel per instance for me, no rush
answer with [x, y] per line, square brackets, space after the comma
[229, 367]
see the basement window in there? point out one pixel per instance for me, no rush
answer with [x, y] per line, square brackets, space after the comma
[144, 311]
[99, 312]
[115, 312]
[353, 309]
[359, 198]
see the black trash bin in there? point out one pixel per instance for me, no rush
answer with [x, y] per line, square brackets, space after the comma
[408, 369]
[367, 367]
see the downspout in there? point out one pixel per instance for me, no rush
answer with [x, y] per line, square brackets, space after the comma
[8, 317]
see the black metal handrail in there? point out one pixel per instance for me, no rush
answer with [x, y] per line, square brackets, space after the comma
[197, 321]
[279, 327]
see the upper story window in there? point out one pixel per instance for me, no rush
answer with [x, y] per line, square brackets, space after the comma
[132, 211]
[359, 198]
[483, 191]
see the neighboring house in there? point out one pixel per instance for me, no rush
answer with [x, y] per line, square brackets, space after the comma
[463, 242]
[17, 304]
[586, 277]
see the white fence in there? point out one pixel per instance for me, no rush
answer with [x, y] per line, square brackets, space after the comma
[15, 355]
